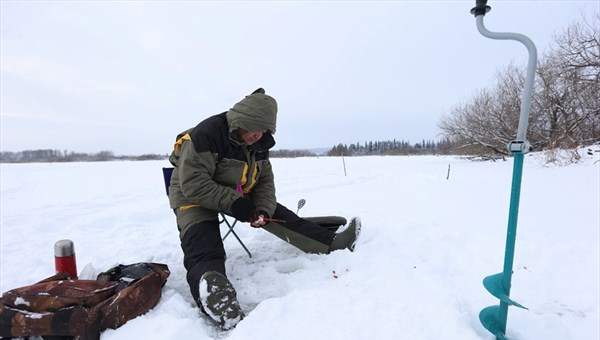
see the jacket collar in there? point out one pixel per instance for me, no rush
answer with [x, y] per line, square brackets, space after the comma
[264, 144]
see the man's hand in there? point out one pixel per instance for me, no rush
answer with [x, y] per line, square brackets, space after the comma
[260, 221]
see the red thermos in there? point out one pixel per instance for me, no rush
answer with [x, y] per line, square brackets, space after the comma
[64, 258]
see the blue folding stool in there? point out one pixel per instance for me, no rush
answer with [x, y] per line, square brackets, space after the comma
[167, 172]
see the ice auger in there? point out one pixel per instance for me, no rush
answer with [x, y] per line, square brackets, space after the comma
[494, 318]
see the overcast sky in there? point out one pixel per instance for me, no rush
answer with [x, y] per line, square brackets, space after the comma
[127, 77]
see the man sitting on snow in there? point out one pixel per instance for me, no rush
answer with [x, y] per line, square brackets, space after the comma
[223, 164]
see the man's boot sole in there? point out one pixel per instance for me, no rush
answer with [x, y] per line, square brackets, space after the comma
[219, 300]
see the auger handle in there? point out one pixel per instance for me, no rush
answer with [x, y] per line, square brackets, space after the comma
[481, 8]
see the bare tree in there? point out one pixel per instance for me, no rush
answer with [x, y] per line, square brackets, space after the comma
[486, 124]
[566, 100]
[579, 56]
[568, 89]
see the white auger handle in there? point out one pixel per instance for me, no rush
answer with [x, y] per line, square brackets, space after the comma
[479, 11]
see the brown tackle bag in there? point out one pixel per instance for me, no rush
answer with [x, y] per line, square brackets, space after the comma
[81, 309]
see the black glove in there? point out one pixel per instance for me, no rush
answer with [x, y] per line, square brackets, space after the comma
[244, 210]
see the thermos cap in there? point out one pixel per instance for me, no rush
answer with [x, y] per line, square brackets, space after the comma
[64, 248]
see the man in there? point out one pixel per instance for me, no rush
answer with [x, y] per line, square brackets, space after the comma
[222, 164]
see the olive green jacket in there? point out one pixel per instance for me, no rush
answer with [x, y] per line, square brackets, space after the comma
[213, 168]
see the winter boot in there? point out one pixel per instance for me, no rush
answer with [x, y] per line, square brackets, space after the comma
[348, 237]
[218, 300]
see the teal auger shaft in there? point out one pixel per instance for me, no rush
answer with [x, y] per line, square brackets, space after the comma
[511, 235]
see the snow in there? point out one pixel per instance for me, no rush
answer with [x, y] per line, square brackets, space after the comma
[34, 315]
[427, 243]
[21, 301]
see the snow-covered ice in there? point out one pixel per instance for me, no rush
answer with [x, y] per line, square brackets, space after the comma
[427, 243]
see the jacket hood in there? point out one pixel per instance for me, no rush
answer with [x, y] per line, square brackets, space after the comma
[256, 112]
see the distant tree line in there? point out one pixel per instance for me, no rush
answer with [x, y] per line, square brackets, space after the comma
[48, 155]
[285, 153]
[392, 147]
[368, 148]
[565, 110]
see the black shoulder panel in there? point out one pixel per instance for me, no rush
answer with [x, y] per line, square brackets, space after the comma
[211, 134]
